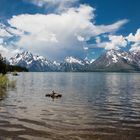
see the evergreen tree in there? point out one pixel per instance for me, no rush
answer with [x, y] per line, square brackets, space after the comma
[4, 68]
[2, 65]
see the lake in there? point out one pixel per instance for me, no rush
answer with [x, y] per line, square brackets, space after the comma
[94, 106]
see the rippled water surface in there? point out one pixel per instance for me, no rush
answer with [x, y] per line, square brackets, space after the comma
[94, 106]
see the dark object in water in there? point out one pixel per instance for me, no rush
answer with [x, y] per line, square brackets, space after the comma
[54, 95]
[15, 74]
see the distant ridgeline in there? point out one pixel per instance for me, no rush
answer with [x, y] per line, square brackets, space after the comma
[4, 67]
[109, 61]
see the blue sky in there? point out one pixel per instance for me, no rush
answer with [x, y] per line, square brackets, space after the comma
[58, 28]
[108, 11]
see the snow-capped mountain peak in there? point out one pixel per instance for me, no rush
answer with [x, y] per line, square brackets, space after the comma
[115, 60]
[112, 60]
[32, 62]
[40, 63]
[114, 55]
[71, 60]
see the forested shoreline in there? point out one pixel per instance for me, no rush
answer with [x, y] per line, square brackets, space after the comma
[5, 67]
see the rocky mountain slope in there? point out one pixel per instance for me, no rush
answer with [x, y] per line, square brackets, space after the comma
[116, 61]
[33, 63]
[112, 61]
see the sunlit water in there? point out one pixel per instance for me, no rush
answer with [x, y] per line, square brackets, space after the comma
[94, 106]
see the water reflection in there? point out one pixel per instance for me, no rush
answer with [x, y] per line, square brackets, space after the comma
[94, 106]
[2, 94]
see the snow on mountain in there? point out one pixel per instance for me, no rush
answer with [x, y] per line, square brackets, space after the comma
[74, 60]
[33, 62]
[91, 61]
[114, 60]
[136, 57]
[115, 56]
[73, 64]
[39, 63]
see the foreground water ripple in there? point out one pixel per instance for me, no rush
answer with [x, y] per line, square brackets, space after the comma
[94, 106]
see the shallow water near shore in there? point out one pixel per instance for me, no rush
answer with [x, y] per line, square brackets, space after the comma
[94, 106]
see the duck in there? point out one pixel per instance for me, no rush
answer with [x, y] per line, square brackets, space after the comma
[54, 95]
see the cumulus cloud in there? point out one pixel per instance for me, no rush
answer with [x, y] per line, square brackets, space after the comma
[135, 40]
[114, 42]
[56, 35]
[118, 42]
[8, 52]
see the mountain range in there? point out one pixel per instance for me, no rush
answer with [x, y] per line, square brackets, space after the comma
[111, 61]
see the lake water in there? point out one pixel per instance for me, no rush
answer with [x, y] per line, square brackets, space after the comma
[94, 106]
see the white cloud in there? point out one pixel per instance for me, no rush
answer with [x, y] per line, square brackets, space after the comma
[109, 28]
[115, 42]
[58, 35]
[58, 4]
[1, 40]
[98, 40]
[52, 2]
[85, 48]
[135, 39]
[7, 52]
[7, 33]
[3, 31]
[135, 47]
[16, 32]
[80, 38]
[4, 51]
